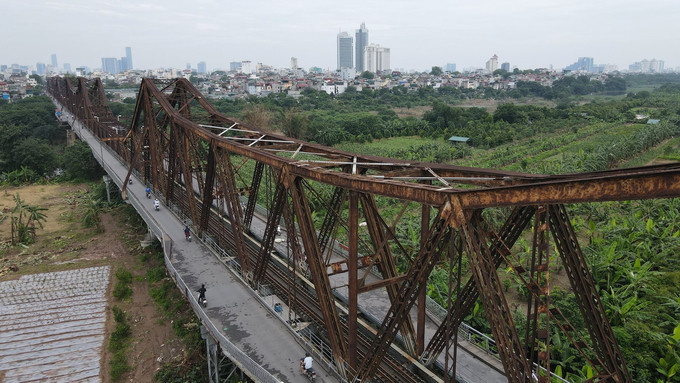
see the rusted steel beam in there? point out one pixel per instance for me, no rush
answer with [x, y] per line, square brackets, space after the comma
[330, 221]
[420, 326]
[321, 282]
[352, 280]
[280, 199]
[385, 282]
[537, 334]
[661, 182]
[423, 264]
[252, 196]
[387, 265]
[229, 193]
[589, 302]
[508, 235]
[207, 197]
[510, 348]
[342, 266]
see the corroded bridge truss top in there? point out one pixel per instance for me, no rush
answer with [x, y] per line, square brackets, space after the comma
[218, 170]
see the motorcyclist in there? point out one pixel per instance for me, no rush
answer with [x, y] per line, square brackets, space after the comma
[306, 362]
[187, 231]
[148, 192]
[201, 292]
[156, 204]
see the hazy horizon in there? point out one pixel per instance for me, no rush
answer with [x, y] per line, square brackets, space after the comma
[420, 35]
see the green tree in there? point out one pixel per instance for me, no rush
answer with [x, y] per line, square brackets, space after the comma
[367, 75]
[25, 219]
[293, 124]
[37, 79]
[436, 71]
[35, 154]
[79, 163]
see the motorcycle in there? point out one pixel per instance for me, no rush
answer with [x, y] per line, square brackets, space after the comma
[310, 373]
[156, 205]
[187, 235]
[203, 301]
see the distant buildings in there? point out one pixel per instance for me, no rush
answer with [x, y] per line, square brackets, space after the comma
[450, 68]
[647, 66]
[54, 62]
[585, 64]
[492, 64]
[345, 51]
[293, 63]
[246, 67]
[41, 68]
[376, 58]
[202, 67]
[110, 65]
[235, 66]
[361, 38]
[113, 66]
[506, 66]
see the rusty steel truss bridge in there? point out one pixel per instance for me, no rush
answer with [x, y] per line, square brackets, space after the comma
[217, 169]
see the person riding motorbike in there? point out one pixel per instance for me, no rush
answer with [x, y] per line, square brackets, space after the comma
[156, 204]
[201, 294]
[306, 362]
[148, 192]
[187, 231]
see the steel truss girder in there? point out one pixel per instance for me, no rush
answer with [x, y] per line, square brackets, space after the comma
[601, 333]
[386, 264]
[174, 131]
[508, 235]
[496, 307]
[252, 196]
[280, 199]
[320, 279]
[420, 269]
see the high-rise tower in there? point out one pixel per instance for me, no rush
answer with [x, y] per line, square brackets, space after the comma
[361, 43]
[345, 51]
[55, 67]
[492, 64]
[128, 58]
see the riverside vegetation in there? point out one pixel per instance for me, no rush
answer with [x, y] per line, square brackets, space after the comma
[632, 248]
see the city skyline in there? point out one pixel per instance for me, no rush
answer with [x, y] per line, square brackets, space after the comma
[536, 35]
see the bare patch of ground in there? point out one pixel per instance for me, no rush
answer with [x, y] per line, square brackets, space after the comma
[416, 111]
[488, 104]
[63, 243]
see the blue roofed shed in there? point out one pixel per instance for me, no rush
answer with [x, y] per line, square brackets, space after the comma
[457, 139]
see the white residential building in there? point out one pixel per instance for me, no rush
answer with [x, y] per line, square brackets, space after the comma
[376, 58]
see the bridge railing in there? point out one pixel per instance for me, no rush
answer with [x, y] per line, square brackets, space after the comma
[473, 336]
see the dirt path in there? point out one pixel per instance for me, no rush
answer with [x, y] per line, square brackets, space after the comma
[63, 244]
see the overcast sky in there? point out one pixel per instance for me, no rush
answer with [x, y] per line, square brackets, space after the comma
[420, 34]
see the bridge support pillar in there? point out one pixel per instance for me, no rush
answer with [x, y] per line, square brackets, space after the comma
[220, 368]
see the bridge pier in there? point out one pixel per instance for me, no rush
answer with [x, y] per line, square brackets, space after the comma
[220, 367]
